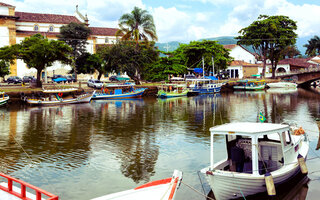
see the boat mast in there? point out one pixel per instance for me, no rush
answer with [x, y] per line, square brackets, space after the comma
[202, 67]
[212, 66]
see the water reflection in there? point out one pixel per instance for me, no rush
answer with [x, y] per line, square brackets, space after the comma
[123, 143]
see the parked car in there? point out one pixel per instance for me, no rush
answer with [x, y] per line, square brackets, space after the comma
[14, 79]
[94, 83]
[27, 79]
[70, 78]
[59, 79]
[113, 78]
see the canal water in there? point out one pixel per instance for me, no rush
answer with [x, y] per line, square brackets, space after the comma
[85, 151]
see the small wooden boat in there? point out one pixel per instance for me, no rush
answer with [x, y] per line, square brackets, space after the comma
[59, 96]
[252, 150]
[4, 98]
[203, 86]
[282, 84]
[9, 190]
[119, 92]
[164, 189]
[250, 85]
[172, 90]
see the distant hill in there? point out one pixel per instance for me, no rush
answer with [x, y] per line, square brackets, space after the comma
[225, 40]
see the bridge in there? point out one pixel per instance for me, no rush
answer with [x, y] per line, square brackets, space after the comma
[303, 77]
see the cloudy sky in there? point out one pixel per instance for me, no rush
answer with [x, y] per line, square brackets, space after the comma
[186, 20]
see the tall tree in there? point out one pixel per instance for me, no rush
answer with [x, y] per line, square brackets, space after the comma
[268, 36]
[290, 52]
[7, 57]
[126, 58]
[313, 46]
[165, 66]
[76, 36]
[39, 52]
[137, 25]
[192, 55]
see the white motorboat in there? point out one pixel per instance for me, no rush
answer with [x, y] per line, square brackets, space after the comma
[282, 84]
[164, 189]
[242, 153]
[14, 189]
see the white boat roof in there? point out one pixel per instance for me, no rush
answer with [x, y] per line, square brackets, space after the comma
[248, 128]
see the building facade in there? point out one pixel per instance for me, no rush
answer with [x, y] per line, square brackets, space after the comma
[16, 26]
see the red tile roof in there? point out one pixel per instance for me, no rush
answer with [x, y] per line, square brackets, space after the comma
[242, 63]
[230, 46]
[298, 62]
[103, 31]
[5, 5]
[45, 18]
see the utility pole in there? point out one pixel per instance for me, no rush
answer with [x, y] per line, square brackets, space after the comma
[212, 66]
[167, 47]
[202, 66]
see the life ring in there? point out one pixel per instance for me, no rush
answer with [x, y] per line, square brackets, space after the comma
[106, 90]
[60, 94]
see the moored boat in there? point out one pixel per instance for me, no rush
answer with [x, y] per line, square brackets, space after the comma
[172, 90]
[250, 85]
[204, 86]
[119, 92]
[4, 98]
[58, 96]
[164, 189]
[252, 150]
[10, 191]
[282, 84]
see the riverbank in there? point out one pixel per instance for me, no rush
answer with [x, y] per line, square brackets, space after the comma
[16, 91]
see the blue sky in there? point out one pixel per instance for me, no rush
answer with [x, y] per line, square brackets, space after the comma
[186, 20]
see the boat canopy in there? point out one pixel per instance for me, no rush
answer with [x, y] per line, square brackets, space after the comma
[249, 129]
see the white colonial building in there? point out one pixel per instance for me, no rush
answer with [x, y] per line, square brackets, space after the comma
[16, 26]
[245, 63]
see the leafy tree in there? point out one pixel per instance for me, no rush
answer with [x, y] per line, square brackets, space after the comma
[126, 58]
[268, 36]
[39, 52]
[192, 54]
[163, 67]
[290, 52]
[137, 25]
[7, 57]
[76, 36]
[313, 46]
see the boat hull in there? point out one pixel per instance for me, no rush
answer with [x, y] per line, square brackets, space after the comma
[85, 98]
[282, 85]
[206, 90]
[4, 100]
[172, 94]
[232, 187]
[135, 94]
[260, 87]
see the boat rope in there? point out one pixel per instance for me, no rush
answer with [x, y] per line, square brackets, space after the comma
[195, 190]
[31, 161]
[239, 188]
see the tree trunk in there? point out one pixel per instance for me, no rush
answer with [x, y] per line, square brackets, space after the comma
[39, 78]
[99, 75]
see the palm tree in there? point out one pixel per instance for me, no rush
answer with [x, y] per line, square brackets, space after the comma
[313, 46]
[137, 25]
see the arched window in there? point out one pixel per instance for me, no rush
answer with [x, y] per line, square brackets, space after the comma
[51, 28]
[36, 27]
[106, 40]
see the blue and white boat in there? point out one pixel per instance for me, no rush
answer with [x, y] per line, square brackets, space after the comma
[4, 98]
[119, 92]
[204, 86]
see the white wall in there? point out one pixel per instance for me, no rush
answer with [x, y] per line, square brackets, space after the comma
[43, 27]
[4, 36]
[4, 10]
[238, 53]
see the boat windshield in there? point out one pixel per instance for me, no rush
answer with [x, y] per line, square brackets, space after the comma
[97, 81]
[220, 153]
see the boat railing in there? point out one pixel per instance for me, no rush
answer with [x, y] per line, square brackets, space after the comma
[23, 193]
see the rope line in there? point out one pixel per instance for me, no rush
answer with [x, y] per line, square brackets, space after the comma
[189, 186]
